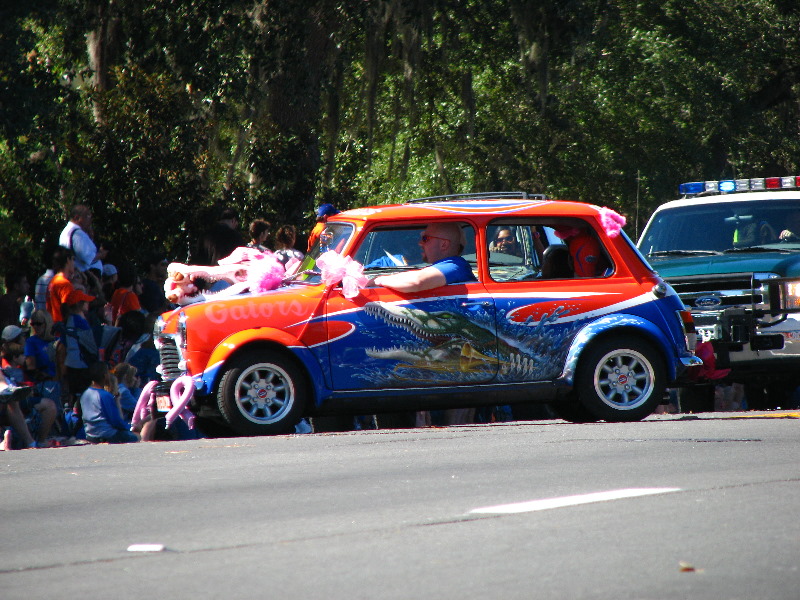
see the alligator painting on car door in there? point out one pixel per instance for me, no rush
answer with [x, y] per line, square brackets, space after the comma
[442, 337]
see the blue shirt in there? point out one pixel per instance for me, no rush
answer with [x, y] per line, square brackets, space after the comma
[455, 269]
[101, 415]
[38, 349]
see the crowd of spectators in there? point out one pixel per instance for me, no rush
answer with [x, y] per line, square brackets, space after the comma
[76, 354]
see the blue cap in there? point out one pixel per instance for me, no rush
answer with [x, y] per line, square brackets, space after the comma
[326, 210]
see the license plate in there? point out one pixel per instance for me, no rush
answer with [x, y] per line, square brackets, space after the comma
[163, 403]
[706, 333]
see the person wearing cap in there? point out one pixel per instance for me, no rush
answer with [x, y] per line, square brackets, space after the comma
[60, 286]
[81, 347]
[77, 236]
[11, 333]
[323, 212]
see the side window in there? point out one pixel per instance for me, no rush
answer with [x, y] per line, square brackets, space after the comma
[398, 248]
[514, 250]
[550, 249]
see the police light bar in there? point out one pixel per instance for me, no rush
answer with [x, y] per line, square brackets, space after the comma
[725, 186]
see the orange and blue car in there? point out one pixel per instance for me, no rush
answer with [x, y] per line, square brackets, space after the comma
[563, 310]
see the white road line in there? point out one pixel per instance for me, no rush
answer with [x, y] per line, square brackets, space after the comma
[548, 503]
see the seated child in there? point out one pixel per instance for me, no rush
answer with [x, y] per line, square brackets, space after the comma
[102, 417]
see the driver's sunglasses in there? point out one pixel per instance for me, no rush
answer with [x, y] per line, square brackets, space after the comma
[508, 238]
[424, 238]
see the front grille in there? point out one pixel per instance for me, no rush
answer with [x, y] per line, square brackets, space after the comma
[731, 289]
[170, 359]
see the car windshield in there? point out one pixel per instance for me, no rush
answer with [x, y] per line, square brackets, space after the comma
[707, 229]
[334, 237]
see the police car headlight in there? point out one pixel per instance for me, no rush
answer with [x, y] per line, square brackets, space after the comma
[784, 295]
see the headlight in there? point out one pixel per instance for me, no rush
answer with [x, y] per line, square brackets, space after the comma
[784, 295]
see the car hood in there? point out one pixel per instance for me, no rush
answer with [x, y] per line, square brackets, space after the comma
[780, 263]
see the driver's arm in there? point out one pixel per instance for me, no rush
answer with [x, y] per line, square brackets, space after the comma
[411, 281]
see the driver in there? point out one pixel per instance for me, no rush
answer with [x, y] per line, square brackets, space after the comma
[442, 245]
[792, 231]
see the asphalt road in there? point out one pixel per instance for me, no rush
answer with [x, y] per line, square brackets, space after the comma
[700, 508]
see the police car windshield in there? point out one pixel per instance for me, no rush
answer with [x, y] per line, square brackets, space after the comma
[721, 227]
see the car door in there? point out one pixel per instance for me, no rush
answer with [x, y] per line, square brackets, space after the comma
[383, 339]
[540, 305]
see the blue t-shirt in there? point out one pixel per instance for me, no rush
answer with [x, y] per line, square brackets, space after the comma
[455, 269]
[38, 348]
[101, 415]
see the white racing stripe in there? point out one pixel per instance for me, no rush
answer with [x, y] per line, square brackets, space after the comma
[548, 503]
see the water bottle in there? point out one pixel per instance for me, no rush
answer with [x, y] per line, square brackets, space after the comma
[25, 311]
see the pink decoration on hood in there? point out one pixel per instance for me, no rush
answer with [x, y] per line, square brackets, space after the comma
[264, 271]
[335, 268]
[611, 221]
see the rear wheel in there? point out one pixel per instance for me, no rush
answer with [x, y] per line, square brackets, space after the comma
[620, 379]
[262, 393]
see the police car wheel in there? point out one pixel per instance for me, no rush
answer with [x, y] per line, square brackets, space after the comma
[262, 393]
[620, 379]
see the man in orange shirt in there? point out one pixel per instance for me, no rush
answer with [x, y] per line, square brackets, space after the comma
[60, 286]
[323, 212]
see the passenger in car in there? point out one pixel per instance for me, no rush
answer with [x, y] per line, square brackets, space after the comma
[505, 242]
[442, 245]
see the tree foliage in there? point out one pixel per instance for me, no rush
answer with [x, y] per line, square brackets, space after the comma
[156, 111]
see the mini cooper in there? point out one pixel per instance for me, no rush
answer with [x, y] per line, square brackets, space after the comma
[562, 309]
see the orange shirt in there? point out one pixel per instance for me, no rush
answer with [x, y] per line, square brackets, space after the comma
[122, 301]
[57, 293]
[315, 233]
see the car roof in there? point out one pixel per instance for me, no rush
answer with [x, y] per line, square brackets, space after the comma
[768, 196]
[470, 209]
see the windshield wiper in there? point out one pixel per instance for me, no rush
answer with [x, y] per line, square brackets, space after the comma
[759, 249]
[684, 253]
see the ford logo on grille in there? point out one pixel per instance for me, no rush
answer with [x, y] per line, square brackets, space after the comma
[707, 301]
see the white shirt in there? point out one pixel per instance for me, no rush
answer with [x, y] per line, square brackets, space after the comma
[78, 240]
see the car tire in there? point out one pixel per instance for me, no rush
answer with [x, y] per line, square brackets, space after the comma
[620, 379]
[262, 393]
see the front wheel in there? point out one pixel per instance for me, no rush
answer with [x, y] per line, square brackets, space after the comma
[620, 379]
[262, 393]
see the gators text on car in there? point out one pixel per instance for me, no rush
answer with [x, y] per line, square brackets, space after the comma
[563, 309]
